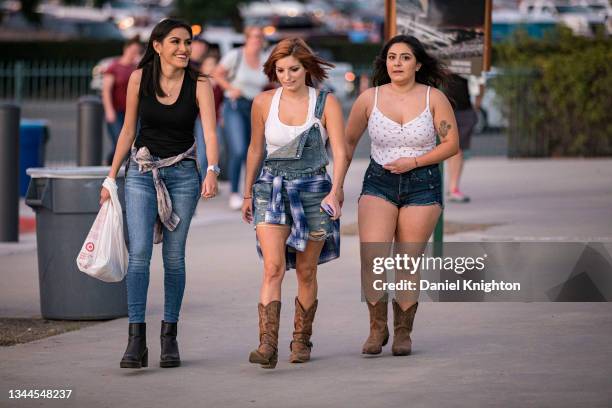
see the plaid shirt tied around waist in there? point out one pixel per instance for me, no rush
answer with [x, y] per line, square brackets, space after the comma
[275, 214]
[146, 162]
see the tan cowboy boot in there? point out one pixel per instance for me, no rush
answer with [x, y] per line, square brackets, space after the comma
[379, 332]
[300, 346]
[267, 352]
[402, 327]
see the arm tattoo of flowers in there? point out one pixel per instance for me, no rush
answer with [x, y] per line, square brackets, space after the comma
[444, 128]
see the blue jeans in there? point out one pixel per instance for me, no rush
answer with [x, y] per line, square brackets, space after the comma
[183, 184]
[114, 128]
[237, 131]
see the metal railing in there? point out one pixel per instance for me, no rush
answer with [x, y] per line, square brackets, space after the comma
[522, 105]
[46, 80]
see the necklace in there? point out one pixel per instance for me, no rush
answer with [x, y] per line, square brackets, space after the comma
[171, 91]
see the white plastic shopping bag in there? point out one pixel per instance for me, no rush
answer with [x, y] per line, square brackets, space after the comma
[104, 254]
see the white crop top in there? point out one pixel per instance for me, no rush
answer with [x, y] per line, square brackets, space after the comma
[278, 134]
[392, 140]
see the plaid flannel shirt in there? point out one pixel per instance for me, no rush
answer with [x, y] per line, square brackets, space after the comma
[298, 238]
[146, 162]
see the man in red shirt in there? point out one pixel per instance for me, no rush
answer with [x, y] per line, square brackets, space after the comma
[114, 89]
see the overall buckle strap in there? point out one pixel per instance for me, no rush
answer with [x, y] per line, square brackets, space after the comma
[320, 106]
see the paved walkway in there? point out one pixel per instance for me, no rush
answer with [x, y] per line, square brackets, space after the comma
[465, 354]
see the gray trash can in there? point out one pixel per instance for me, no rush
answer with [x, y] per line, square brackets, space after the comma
[66, 202]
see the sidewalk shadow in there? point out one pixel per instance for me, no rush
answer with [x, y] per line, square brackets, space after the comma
[156, 369]
[387, 354]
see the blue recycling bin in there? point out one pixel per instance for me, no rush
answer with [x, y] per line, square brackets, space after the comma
[33, 134]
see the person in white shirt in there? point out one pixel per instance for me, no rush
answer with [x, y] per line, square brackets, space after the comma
[240, 74]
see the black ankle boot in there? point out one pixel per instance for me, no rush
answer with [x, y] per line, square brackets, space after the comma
[169, 347]
[136, 354]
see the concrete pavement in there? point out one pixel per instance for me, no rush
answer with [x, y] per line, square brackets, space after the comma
[465, 354]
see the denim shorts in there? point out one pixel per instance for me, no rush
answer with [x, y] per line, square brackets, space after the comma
[420, 186]
[319, 222]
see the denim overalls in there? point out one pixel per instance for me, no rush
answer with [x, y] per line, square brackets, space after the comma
[289, 191]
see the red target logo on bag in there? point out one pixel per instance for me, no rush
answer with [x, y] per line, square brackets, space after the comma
[90, 246]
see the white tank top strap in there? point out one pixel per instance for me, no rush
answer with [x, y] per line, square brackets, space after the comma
[312, 101]
[273, 113]
[428, 88]
[375, 98]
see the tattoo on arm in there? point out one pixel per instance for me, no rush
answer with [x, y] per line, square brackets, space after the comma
[444, 128]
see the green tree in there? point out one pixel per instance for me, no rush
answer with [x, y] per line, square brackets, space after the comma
[28, 7]
[556, 93]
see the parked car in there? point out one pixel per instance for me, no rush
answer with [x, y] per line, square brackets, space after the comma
[134, 19]
[56, 27]
[341, 80]
[582, 20]
[223, 38]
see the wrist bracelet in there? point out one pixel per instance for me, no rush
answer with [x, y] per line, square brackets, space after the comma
[247, 198]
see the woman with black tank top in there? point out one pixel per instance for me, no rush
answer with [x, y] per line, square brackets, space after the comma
[162, 184]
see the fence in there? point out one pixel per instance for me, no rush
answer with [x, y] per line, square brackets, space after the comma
[521, 104]
[46, 80]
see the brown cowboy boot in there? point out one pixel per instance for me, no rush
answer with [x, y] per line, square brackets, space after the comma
[267, 352]
[402, 327]
[300, 346]
[379, 332]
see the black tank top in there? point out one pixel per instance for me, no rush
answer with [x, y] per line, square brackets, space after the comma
[166, 130]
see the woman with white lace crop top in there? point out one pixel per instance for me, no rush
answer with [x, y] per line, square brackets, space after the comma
[401, 198]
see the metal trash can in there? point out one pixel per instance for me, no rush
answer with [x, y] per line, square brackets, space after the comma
[66, 202]
[33, 135]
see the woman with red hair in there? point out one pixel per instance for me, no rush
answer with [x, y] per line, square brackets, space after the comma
[294, 204]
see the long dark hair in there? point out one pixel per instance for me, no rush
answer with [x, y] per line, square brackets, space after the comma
[150, 62]
[432, 71]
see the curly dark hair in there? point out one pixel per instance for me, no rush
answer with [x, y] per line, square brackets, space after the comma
[432, 72]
